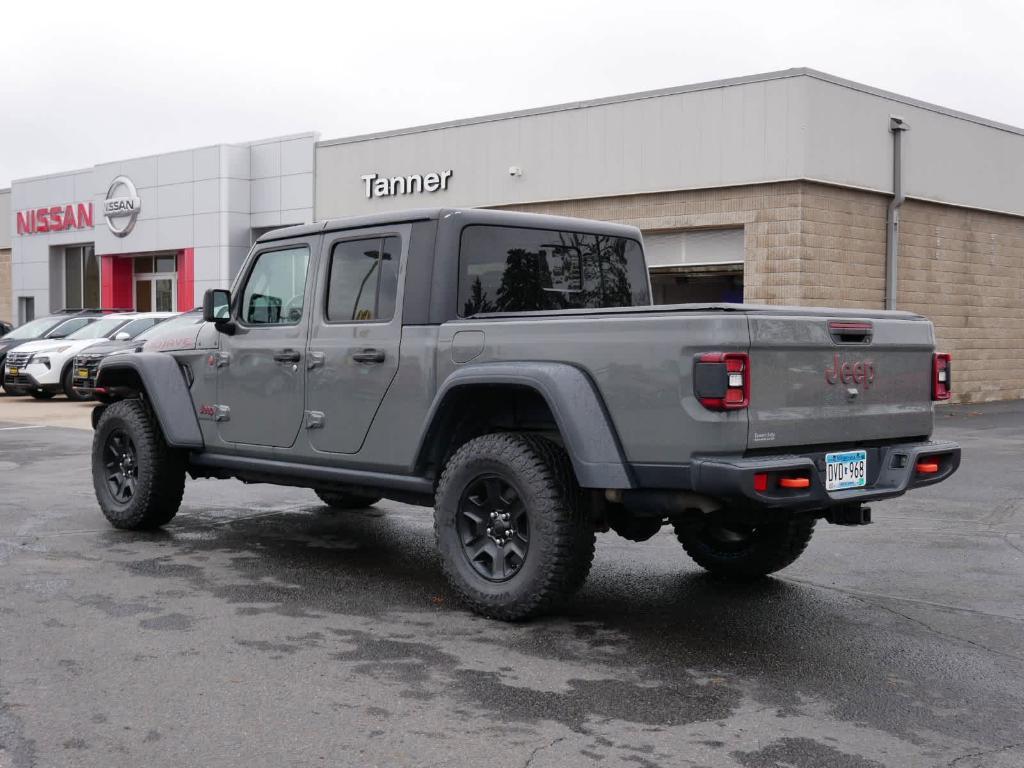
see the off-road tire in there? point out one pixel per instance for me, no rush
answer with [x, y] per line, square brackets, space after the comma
[67, 383]
[41, 394]
[769, 548]
[561, 536]
[347, 500]
[160, 479]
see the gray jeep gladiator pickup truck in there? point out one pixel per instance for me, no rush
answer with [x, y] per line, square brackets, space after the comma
[509, 371]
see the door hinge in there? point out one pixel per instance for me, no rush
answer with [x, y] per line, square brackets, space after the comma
[223, 413]
[223, 359]
[315, 360]
[315, 419]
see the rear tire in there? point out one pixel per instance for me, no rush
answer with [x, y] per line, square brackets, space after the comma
[744, 553]
[346, 500]
[138, 479]
[510, 525]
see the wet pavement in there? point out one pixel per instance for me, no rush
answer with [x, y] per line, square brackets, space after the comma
[262, 629]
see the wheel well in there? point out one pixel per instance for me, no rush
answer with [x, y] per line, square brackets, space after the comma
[120, 383]
[472, 410]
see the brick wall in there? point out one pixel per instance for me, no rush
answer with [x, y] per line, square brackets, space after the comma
[815, 244]
[6, 309]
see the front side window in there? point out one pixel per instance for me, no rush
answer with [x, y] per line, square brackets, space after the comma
[275, 291]
[363, 281]
[514, 269]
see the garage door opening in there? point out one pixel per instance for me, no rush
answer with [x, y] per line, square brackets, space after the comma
[696, 266]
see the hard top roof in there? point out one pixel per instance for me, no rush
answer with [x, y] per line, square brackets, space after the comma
[464, 215]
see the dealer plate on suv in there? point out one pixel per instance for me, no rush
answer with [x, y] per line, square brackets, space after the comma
[846, 470]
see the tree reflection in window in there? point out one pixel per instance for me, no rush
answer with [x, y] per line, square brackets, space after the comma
[512, 269]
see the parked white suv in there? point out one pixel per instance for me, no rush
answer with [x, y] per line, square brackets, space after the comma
[43, 368]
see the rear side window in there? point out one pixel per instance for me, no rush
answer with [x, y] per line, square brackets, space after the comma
[363, 280]
[513, 269]
[275, 291]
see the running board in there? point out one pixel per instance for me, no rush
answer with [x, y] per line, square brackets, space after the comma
[310, 475]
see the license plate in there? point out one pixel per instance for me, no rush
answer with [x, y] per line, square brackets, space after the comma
[846, 470]
[12, 371]
[83, 373]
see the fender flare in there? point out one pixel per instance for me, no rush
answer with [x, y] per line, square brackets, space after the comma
[165, 389]
[580, 414]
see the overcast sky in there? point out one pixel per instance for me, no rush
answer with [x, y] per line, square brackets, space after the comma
[84, 83]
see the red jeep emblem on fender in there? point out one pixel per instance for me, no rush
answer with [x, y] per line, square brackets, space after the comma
[861, 372]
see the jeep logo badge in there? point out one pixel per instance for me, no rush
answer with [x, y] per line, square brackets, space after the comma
[861, 372]
[125, 206]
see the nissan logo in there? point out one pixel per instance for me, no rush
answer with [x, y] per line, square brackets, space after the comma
[121, 207]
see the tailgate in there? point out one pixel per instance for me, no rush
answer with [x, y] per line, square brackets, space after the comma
[834, 380]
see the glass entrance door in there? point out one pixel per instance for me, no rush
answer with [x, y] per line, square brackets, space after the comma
[156, 284]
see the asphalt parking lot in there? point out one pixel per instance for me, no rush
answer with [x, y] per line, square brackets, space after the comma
[262, 629]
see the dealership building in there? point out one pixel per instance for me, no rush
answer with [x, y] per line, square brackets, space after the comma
[792, 187]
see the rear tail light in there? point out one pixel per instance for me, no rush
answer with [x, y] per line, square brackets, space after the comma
[942, 376]
[721, 380]
[790, 481]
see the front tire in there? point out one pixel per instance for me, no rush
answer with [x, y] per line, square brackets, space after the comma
[67, 383]
[138, 479]
[745, 552]
[346, 500]
[510, 525]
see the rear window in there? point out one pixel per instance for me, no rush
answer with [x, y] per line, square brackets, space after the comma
[514, 269]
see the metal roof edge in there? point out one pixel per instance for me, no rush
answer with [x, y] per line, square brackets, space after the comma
[570, 105]
[912, 102]
[673, 90]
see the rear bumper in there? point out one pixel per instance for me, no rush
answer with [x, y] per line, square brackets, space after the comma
[892, 471]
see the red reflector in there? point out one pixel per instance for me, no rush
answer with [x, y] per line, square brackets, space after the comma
[760, 482]
[101, 390]
[927, 467]
[795, 482]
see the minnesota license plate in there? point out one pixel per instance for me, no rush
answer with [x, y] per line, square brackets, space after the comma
[83, 373]
[12, 371]
[846, 470]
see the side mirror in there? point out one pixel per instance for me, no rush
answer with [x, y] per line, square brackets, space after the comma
[217, 305]
[217, 309]
[122, 336]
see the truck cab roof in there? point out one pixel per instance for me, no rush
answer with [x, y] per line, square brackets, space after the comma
[458, 216]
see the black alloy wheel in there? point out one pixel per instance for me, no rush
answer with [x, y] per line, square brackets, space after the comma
[121, 465]
[493, 527]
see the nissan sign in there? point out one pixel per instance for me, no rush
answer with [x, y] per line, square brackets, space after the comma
[121, 210]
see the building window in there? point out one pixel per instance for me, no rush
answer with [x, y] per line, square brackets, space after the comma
[696, 266]
[26, 309]
[156, 282]
[81, 277]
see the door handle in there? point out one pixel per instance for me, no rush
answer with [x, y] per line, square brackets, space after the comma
[286, 356]
[369, 356]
